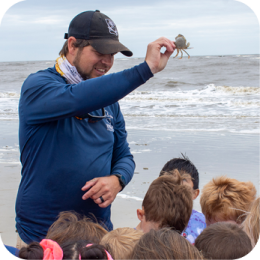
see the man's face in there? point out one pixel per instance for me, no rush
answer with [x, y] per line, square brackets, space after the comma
[91, 64]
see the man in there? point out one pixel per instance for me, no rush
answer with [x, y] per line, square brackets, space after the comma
[72, 134]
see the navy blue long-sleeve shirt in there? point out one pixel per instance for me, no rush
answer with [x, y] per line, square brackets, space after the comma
[60, 153]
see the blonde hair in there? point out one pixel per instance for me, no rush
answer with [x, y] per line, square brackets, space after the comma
[251, 224]
[229, 198]
[121, 241]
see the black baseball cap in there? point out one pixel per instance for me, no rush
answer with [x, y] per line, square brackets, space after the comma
[99, 30]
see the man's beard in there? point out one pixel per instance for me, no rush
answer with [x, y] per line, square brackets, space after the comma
[85, 76]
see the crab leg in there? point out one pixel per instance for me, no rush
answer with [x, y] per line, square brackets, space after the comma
[187, 54]
[181, 54]
[177, 53]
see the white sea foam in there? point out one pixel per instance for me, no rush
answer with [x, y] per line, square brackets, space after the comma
[208, 91]
[207, 102]
[9, 154]
[10, 162]
[252, 131]
[7, 118]
[124, 196]
[9, 95]
[132, 142]
[237, 90]
[244, 103]
[140, 151]
[9, 105]
[158, 128]
[9, 150]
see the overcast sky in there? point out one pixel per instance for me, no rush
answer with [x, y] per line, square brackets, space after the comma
[34, 29]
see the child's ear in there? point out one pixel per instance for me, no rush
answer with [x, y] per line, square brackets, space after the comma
[195, 194]
[140, 214]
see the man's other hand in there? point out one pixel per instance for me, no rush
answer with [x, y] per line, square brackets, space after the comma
[154, 58]
[107, 187]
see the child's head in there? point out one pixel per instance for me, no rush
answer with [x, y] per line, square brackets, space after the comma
[71, 225]
[223, 240]
[164, 244]
[251, 224]
[225, 199]
[185, 167]
[121, 241]
[166, 204]
[48, 249]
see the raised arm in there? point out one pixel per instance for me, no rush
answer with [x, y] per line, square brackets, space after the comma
[47, 97]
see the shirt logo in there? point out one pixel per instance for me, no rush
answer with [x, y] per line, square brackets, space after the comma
[108, 122]
[111, 27]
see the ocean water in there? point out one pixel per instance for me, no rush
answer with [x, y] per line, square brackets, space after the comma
[203, 93]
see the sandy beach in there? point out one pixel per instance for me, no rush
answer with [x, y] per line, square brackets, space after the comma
[222, 153]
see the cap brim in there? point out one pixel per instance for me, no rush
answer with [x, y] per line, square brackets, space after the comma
[109, 46]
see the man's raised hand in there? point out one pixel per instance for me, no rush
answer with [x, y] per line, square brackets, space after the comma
[154, 58]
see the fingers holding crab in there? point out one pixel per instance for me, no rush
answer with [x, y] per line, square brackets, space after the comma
[154, 58]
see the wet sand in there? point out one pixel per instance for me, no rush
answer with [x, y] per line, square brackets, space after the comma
[9, 181]
[214, 154]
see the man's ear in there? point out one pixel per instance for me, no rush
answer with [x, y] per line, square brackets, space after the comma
[140, 214]
[195, 194]
[71, 46]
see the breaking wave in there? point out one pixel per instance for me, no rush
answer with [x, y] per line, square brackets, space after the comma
[9, 95]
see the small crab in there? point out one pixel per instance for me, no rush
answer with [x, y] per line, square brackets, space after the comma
[180, 43]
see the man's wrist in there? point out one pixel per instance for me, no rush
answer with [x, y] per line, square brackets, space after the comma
[121, 180]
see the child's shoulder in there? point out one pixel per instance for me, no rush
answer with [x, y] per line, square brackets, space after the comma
[197, 222]
[197, 216]
[195, 226]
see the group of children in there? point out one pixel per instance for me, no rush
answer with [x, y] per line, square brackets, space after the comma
[169, 228]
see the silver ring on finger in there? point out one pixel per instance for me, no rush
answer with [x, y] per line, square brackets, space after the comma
[102, 200]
